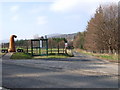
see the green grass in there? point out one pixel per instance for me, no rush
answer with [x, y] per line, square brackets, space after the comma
[28, 56]
[110, 57]
[3, 48]
[52, 56]
[21, 56]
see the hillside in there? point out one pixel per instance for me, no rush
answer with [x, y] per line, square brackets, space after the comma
[69, 37]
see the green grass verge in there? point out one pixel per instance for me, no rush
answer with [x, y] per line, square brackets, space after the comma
[28, 56]
[51, 56]
[110, 57]
[21, 56]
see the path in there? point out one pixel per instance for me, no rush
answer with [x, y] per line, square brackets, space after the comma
[7, 56]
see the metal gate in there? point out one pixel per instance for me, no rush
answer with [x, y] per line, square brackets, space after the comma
[39, 47]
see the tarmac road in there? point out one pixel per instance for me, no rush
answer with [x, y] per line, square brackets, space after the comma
[80, 71]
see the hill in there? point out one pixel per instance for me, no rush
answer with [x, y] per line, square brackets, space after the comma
[69, 37]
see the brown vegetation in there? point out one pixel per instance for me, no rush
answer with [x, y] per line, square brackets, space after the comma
[101, 34]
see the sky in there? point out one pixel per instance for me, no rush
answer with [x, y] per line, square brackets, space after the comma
[27, 18]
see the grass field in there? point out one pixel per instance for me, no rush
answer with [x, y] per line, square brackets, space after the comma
[42, 51]
[110, 57]
[54, 50]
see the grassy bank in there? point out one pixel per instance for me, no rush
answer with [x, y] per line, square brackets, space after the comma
[51, 56]
[28, 56]
[21, 56]
[109, 57]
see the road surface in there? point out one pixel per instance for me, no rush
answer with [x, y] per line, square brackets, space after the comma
[80, 71]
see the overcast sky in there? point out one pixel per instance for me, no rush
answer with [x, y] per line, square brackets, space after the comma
[42, 17]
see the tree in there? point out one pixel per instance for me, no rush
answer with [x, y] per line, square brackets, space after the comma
[102, 30]
[79, 40]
